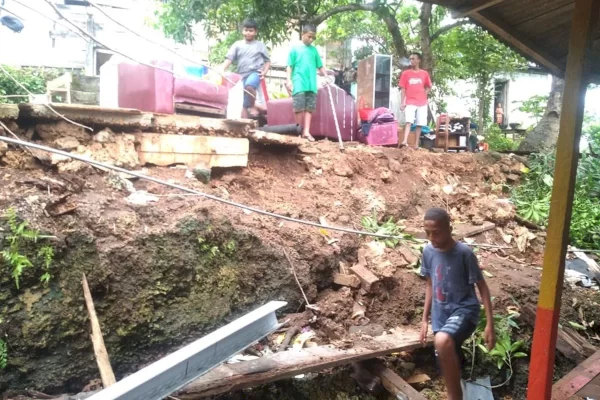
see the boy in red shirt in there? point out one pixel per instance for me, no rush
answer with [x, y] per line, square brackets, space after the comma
[415, 84]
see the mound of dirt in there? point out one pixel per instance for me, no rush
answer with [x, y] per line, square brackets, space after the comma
[166, 273]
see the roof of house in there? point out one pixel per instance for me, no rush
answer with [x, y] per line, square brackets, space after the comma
[538, 29]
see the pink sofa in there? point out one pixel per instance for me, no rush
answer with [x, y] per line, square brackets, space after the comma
[281, 112]
[154, 90]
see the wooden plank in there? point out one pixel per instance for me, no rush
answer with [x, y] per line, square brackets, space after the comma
[106, 372]
[394, 384]
[234, 377]
[545, 334]
[465, 12]
[464, 230]
[210, 151]
[176, 370]
[568, 342]
[577, 379]
[522, 44]
[368, 280]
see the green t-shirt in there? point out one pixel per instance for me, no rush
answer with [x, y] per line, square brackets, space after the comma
[304, 61]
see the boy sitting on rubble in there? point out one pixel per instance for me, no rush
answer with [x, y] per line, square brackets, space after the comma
[253, 63]
[452, 271]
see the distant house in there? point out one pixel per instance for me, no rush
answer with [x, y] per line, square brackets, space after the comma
[509, 91]
[46, 43]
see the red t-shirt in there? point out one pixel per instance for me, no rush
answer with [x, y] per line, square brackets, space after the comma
[415, 82]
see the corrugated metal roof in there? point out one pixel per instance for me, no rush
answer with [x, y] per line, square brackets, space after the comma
[538, 29]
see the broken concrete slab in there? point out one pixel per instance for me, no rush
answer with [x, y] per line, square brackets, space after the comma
[191, 124]
[408, 254]
[262, 137]
[90, 115]
[209, 151]
[9, 111]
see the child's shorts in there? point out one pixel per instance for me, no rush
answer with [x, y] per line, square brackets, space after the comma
[305, 101]
[460, 327]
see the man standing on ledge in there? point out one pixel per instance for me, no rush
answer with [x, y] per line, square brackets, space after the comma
[415, 85]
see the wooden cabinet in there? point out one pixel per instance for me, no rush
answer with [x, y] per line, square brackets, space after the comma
[374, 81]
[452, 133]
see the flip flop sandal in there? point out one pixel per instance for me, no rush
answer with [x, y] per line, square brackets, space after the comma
[309, 137]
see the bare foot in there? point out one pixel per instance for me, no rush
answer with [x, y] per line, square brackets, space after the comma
[308, 137]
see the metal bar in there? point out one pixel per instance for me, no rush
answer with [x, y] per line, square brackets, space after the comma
[183, 366]
[541, 367]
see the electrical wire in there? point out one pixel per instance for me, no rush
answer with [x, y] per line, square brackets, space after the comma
[95, 40]
[50, 19]
[45, 104]
[188, 190]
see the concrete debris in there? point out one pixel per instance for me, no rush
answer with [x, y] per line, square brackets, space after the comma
[373, 330]
[105, 136]
[386, 175]
[66, 143]
[368, 280]
[523, 237]
[141, 198]
[61, 206]
[346, 280]
[408, 254]
[3, 148]
[61, 129]
[344, 170]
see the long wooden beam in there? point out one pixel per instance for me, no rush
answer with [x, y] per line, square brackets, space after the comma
[465, 12]
[577, 379]
[541, 367]
[174, 371]
[519, 42]
[286, 364]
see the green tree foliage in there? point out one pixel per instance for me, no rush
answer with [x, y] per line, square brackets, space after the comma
[478, 58]
[34, 79]
[534, 106]
[532, 198]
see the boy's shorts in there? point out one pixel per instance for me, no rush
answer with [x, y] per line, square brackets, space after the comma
[305, 101]
[460, 327]
[416, 115]
[253, 81]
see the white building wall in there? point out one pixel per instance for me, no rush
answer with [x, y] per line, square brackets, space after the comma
[46, 43]
[521, 87]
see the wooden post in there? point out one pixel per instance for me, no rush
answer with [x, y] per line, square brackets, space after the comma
[106, 372]
[546, 325]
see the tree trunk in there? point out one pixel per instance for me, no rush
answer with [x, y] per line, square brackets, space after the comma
[389, 19]
[482, 94]
[545, 135]
[425, 37]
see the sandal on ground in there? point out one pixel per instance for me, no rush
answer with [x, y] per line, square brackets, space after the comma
[308, 137]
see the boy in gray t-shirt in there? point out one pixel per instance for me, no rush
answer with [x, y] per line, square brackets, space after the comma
[253, 63]
[452, 271]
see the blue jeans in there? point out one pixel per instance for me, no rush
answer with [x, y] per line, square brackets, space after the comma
[252, 80]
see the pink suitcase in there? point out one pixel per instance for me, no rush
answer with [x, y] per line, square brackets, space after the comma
[381, 135]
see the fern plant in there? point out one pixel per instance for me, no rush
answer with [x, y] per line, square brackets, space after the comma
[20, 233]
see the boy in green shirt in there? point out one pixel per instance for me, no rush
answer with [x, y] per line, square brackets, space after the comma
[303, 63]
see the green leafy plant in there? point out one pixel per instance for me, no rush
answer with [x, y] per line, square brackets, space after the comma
[532, 197]
[534, 106]
[505, 351]
[34, 79]
[498, 141]
[14, 256]
[388, 228]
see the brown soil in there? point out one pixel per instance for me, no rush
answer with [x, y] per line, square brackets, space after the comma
[145, 255]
